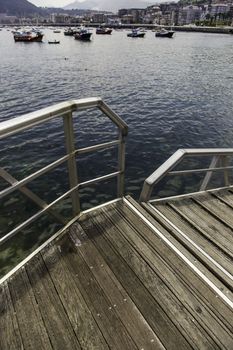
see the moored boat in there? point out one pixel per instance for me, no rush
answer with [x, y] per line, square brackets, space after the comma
[54, 42]
[103, 30]
[136, 34]
[28, 36]
[83, 34]
[70, 31]
[163, 33]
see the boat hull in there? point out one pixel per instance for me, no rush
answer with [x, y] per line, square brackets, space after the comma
[38, 38]
[83, 36]
[70, 32]
[104, 31]
[28, 38]
[138, 35]
[164, 35]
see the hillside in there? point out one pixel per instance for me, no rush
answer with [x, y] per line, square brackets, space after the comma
[18, 7]
[107, 5]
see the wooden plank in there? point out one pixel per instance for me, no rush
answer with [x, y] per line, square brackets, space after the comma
[204, 268]
[31, 325]
[194, 235]
[130, 316]
[223, 305]
[149, 306]
[210, 227]
[60, 331]
[216, 208]
[79, 315]
[10, 337]
[103, 311]
[225, 196]
[189, 302]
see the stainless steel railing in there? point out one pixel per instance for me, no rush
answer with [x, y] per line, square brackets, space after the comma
[219, 156]
[63, 110]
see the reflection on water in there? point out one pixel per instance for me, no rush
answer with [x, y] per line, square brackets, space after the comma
[172, 93]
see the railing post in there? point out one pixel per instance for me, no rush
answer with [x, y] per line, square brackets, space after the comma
[121, 166]
[72, 167]
[224, 161]
[146, 192]
[209, 174]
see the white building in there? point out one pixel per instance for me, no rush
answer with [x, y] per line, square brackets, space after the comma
[189, 14]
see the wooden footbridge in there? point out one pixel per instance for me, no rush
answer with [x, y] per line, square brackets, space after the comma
[153, 274]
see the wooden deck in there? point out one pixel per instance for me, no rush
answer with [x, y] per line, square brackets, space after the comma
[119, 279]
[203, 223]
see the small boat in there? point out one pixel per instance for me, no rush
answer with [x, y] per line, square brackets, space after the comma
[28, 36]
[54, 42]
[163, 33]
[83, 34]
[70, 32]
[56, 31]
[103, 30]
[136, 34]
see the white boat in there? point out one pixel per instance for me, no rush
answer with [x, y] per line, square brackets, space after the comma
[163, 33]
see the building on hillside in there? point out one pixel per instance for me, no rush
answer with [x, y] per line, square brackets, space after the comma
[189, 14]
[153, 14]
[60, 18]
[230, 11]
[122, 12]
[127, 19]
[132, 15]
[217, 9]
[99, 17]
[112, 19]
[5, 19]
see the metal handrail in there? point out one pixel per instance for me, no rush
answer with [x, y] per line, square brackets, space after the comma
[219, 154]
[26, 121]
[64, 110]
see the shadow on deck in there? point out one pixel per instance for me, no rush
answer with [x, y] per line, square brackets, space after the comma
[126, 278]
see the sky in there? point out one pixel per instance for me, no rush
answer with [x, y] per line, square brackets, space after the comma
[56, 3]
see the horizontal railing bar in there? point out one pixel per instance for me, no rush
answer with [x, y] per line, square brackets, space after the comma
[49, 206]
[165, 167]
[180, 155]
[32, 196]
[26, 121]
[184, 172]
[53, 165]
[208, 151]
[174, 160]
[101, 178]
[97, 147]
[29, 120]
[33, 176]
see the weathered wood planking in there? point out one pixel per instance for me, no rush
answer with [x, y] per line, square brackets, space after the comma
[79, 314]
[10, 337]
[206, 220]
[202, 309]
[30, 320]
[55, 318]
[131, 317]
[111, 283]
[98, 302]
[150, 241]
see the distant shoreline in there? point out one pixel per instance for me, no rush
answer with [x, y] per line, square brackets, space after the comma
[191, 28]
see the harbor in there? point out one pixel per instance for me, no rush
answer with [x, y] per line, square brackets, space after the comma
[116, 189]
